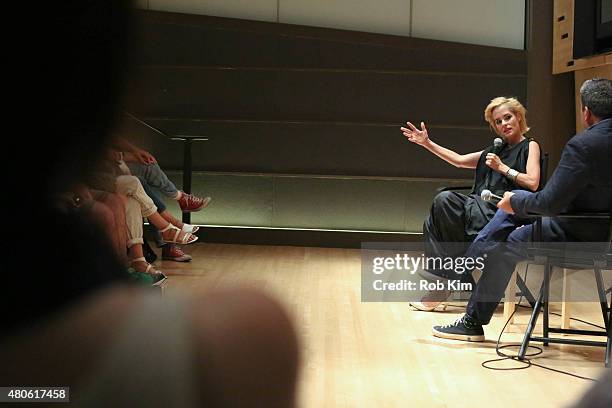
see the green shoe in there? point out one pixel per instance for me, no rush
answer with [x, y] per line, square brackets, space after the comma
[157, 276]
[140, 278]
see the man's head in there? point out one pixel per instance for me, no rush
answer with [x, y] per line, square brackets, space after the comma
[596, 98]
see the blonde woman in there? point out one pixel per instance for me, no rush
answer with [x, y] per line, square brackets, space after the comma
[455, 219]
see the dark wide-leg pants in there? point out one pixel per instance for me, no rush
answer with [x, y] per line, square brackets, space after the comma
[444, 232]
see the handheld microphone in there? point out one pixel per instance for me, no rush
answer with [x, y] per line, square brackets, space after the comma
[497, 145]
[487, 195]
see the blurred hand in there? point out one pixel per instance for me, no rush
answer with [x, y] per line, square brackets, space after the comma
[504, 203]
[145, 157]
[418, 136]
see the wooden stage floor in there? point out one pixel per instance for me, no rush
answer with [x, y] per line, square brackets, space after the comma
[358, 354]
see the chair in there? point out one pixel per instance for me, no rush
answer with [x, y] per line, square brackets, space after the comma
[597, 260]
[516, 282]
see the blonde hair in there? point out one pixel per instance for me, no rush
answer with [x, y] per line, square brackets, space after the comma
[515, 107]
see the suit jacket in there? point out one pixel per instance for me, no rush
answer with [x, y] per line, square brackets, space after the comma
[582, 182]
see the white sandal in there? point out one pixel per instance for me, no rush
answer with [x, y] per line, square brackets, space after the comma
[190, 229]
[158, 276]
[439, 300]
[423, 308]
[187, 238]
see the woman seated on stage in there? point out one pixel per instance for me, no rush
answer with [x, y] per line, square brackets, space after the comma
[455, 219]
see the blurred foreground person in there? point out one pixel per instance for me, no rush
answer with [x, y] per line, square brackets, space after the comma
[599, 395]
[72, 316]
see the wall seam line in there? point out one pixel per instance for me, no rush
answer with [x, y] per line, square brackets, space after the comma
[410, 20]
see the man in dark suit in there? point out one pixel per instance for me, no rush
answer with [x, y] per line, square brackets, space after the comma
[581, 182]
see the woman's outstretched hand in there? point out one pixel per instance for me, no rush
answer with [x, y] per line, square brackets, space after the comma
[418, 136]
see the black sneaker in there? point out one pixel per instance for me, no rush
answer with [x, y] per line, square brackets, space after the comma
[158, 278]
[462, 329]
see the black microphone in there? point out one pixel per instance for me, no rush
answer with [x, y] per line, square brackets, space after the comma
[497, 146]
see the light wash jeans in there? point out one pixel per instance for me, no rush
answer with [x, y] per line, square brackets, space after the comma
[155, 177]
[161, 207]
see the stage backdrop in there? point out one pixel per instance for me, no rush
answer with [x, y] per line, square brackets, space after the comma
[303, 122]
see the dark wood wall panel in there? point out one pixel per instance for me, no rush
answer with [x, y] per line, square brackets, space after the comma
[178, 39]
[320, 95]
[550, 98]
[278, 98]
[306, 148]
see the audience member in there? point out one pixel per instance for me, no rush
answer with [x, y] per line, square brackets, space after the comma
[140, 205]
[170, 251]
[153, 179]
[109, 177]
[105, 209]
[144, 165]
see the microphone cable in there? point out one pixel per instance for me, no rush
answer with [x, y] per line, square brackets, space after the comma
[525, 361]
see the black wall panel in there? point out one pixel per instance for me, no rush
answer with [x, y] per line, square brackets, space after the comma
[277, 98]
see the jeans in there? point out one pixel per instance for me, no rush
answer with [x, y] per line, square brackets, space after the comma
[155, 177]
[153, 194]
[504, 244]
[161, 207]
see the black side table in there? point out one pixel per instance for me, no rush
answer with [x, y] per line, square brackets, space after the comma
[187, 170]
